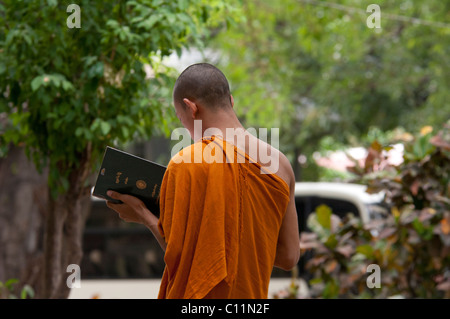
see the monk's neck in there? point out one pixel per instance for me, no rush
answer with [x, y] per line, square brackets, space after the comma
[218, 123]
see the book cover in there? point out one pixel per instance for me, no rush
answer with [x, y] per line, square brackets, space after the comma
[129, 174]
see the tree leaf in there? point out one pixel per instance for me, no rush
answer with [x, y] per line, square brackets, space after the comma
[445, 226]
[67, 85]
[10, 282]
[26, 290]
[324, 216]
[105, 127]
[331, 241]
[366, 250]
[52, 3]
[36, 83]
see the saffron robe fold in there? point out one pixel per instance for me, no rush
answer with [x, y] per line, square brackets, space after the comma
[220, 218]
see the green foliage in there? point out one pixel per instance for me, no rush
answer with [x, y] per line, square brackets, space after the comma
[411, 243]
[7, 290]
[67, 90]
[315, 71]
[323, 213]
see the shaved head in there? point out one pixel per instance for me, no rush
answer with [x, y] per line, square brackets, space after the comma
[205, 84]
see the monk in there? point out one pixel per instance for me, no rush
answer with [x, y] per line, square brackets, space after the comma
[226, 220]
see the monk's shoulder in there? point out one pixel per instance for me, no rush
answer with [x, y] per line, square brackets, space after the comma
[284, 161]
[278, 162]
[189, 159]
[285, 170]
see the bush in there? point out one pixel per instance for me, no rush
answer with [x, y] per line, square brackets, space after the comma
[7, 290]
[410, 244]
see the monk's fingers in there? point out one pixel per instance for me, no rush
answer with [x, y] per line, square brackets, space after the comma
[113, 206]
[115, 195]
[127, 199]
[119, 209]
[124, 217]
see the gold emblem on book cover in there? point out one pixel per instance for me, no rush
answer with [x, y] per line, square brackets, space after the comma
[118, 177]
[154, 190]
[141, 184]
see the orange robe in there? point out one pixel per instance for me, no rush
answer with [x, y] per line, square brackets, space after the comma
[220, 221]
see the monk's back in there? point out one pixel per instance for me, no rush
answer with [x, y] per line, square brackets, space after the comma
[262, 211]
[262, 152]
[221, 221]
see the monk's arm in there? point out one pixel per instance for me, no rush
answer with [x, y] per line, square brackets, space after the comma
[134, 210]
[152, 224]
[288, 246]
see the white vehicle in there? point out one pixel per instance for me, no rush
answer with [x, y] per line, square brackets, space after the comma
[342, 198]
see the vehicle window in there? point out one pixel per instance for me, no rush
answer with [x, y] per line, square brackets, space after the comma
[307, 204]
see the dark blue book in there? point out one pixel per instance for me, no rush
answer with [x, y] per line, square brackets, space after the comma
[129, 174]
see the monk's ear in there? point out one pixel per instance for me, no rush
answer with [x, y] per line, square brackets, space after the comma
[191, 106]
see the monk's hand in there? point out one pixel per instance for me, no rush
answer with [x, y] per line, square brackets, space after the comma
[132, 209]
